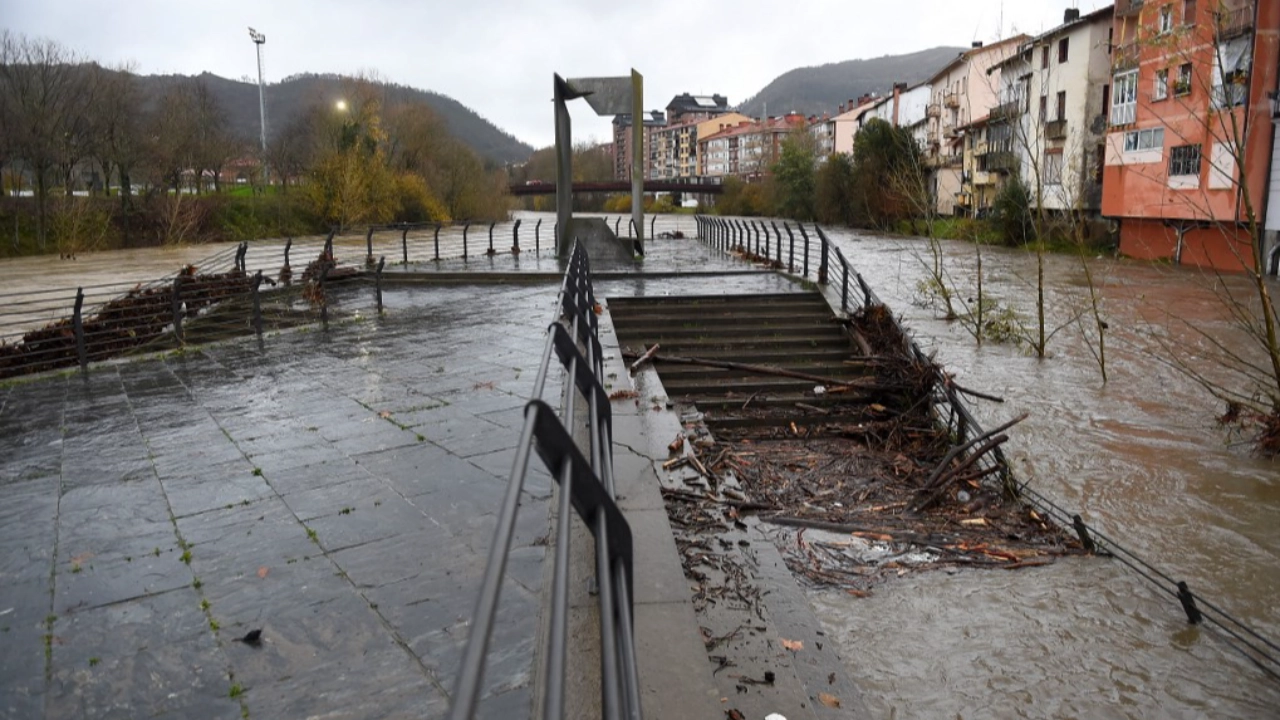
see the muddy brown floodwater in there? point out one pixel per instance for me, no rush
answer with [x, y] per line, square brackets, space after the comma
[1140, 457]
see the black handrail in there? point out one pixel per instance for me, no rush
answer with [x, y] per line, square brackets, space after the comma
[586, 484]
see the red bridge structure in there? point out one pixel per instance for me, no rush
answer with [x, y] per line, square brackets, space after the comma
[536, 187]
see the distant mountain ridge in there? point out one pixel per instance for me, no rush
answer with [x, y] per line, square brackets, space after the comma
[289, 98]
[821, 89]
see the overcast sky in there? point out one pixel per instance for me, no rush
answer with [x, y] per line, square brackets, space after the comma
[498, 56]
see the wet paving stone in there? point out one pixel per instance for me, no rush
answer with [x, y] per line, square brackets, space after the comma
[337, 488]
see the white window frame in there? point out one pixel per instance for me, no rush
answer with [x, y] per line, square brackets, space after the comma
[1165, 20]
[1054, 164]
[1139, 140]
[1124, 98]
[1160, 88]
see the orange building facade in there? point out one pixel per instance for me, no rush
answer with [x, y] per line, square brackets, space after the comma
[1189, 145]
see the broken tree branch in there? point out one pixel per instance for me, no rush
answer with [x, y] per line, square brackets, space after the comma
[648, 355]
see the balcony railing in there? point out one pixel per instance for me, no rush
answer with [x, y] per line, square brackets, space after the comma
[1125, 56]
[951, 100]
[1006, 110]
[1126, 8]
[933, 110]
[1233, 21]
[1055, 130]
[1001, 161]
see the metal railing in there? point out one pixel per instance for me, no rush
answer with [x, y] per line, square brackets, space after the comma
[742, 236]
[587, 485]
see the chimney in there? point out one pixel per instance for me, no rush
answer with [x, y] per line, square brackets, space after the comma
[1071, 15]
[897, 90]
[978, 43]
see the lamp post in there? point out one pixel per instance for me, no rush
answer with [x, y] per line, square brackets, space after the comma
[259, 40]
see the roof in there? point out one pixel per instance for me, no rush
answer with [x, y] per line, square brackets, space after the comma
[772, 125]
[1063, 28]
[971, 52]
[697, 103]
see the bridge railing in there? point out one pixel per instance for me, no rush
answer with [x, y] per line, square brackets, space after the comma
[587, 486]
[818, 259]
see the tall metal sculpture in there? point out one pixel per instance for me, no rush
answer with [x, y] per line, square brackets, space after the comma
[607, 96]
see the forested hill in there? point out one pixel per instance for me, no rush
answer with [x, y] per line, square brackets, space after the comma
[815, 90]
[288, 99]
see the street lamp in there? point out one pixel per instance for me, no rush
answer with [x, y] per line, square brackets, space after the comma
[259, 40]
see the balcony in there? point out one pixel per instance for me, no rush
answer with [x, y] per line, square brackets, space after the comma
[1006, 110]
[951, 100]
[1000, 161]
[1055, 130]
[1126, 8]
[1124, 56]
[1233, 21]
[933, 110]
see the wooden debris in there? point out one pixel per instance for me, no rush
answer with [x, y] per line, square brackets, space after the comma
[648, 355]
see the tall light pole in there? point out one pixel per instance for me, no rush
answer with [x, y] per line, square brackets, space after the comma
[259, 40]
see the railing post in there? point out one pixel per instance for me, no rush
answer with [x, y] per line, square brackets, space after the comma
[824, 262]
[617, 224]
[631, 226]
[404, 244]
[844, 286]
[804, 234]
[1082, 531]
[465, 227]
[755, 229]
[368, 247]
[652, 219]
[377, 280]
[177, 308]
[241, 252]
[257, 303]
[324, 294]
[778, 232]
[491, 252]
[537, 238]
[437, 243]
[77, 323]
[288, 245]
[515, 238]
[1189, 603]
[791, 248]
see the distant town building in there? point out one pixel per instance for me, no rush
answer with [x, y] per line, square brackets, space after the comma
[745, 150]
[686, 108]
[622, 141]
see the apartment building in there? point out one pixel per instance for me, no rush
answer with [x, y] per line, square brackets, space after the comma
[1051, 115]
[905, 107]
[622, 141]
[745, 150]
[963, 90]
[1190, 140]
[675, 147]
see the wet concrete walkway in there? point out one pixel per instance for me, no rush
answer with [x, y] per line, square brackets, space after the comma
[336, 489]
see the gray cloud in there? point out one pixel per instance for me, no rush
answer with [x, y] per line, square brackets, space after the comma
[498, 56]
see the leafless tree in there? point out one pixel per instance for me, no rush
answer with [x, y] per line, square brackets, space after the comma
[42, 85]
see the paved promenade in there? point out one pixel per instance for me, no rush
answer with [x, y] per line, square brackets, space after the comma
[335, 488]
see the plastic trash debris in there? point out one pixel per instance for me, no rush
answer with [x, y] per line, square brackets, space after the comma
[774, 716]
[820, 390]
[962, 496]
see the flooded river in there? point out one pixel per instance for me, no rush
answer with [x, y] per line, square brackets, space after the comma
[1139, 456]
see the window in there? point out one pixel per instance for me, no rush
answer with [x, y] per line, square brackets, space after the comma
[1053, 167]
[1062, 106]
[1161, 89]
[1044, 108]
[1124, 98]
[1182, 85]
[1063, 44]
[1231, 72]
[1166, 19]
[1151, 139]
[1185, 160]
[1044, 57]
[1188, 12]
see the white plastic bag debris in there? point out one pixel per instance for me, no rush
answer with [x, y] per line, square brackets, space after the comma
[774, 716]
[818, 390]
